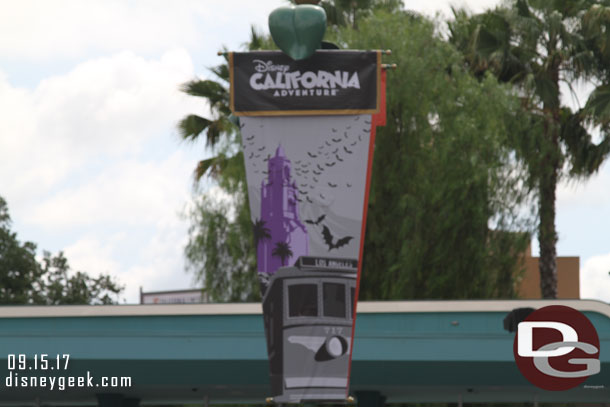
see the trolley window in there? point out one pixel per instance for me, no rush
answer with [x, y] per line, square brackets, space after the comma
[334, 300]
[303, 300]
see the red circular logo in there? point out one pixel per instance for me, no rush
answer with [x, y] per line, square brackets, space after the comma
[556, 348]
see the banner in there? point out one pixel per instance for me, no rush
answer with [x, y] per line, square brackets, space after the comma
[307, 188]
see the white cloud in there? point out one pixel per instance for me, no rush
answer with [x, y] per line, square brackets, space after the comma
[155, 264]
[590, 193]
[90, 159]
[160, 264]
[594, 278]
[40, 30]
[92, 256]
[102, 109]
[130, 193]
[112, 104]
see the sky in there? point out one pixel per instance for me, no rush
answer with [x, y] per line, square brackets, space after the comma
[90, 160]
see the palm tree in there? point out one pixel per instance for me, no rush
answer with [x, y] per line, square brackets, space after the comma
[283, 251]
[260, 232]
[221, 126]
[536, 46]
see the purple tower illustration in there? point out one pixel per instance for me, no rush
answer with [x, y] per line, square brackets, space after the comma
[280, 213]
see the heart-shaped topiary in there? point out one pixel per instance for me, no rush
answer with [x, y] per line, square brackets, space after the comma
[298, 30]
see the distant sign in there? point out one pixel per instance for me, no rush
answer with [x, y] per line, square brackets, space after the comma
[172, 297]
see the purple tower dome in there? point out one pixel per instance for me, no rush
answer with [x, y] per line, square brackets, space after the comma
[280, 212]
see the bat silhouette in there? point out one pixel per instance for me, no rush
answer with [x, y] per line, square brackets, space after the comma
[359, 138]
[308, 200]
[327, 143]
[305, 171]
[329, 164]
[356, 118]
[304, 185]
[316, 172]
[298, 199]
[354, 143]
[251, 143]
[265, 172]
[257, 156]
[345, 134]
[298, 162]
[242, 125]
[367, 121]
[328, 239]
[250, 138]
[311, 155]
[346, 150]
[302, 192]
[336, 140]
[251, 155]
[320, 168]
[349, 185]
[335, 150]
[317, 221]
[330, 184]
[315, 179]
[338, 158]
[262, 148]
[267, 159]
[348, 127]
[334, 130]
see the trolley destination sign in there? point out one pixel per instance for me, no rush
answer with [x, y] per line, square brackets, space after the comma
[270, 83]
[327, 263]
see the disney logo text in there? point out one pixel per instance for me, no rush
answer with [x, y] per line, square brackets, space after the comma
[262, 66]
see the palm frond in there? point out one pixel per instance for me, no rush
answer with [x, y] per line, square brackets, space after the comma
[192, 126]
[216, 94]
[598, 104]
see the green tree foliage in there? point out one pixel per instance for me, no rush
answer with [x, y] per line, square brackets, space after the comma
[536, 46]
[220, 251]
[20, 273]
[61, 286]
[442, 174]
[23, 280]
[441, 177]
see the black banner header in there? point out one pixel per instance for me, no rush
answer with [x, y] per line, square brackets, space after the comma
[269, 83]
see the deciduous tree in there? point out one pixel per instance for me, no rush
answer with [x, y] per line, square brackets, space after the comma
[24, 280]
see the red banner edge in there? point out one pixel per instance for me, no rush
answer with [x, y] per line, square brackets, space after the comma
[378, 119]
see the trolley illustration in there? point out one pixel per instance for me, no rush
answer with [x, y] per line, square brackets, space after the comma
[308, 317]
